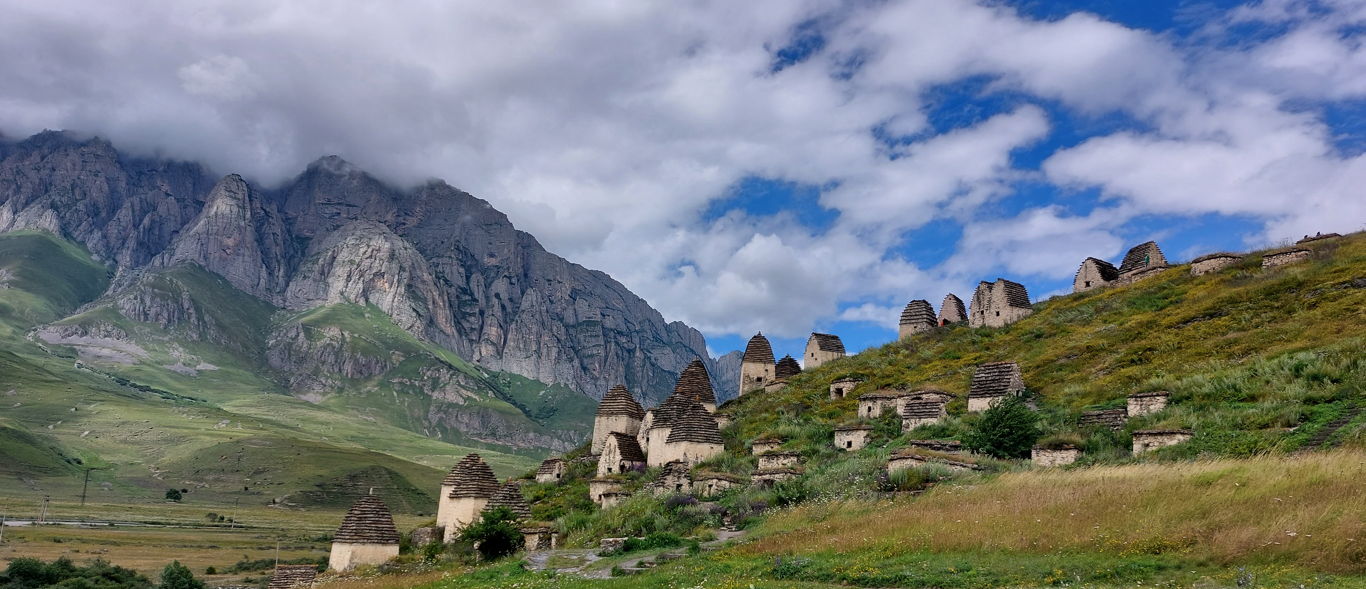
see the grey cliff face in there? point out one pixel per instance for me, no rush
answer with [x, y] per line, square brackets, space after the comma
[444, 265]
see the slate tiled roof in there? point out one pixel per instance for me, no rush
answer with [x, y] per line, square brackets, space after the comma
[931, 394]
[919, 312]
[826, 342]
[510, 496]
[695, 425]
[550, 465]
[1106, 270]
[1215, 255]
[627, 447]
[758, 350]
[1293, 250]
[996, 379]
[367, 522]
[669, 411]
[618, 401]
[674, 469]
[1309, 238]
[471, 478]
[922, 410]
[1111, 418]
[694, 383]
[1150, 394]
[853, 428]
[952, 310]
[292, 576]
[949, 446]
[1016, 295]
[787, 368]
[1141, 256]
[881, 394]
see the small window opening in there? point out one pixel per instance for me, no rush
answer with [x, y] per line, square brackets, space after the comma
[849, 444]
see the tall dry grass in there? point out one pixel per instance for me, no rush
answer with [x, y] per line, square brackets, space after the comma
[1307, 510]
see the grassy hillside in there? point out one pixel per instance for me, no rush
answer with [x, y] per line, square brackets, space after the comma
[191, 411]
[1259, 363]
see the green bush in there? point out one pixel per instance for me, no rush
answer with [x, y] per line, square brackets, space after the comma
[652, 542]
[494, 534]
[178, 576]
[1007, 429]
[31, 573]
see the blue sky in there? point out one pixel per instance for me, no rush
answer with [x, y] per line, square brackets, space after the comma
[768, 165]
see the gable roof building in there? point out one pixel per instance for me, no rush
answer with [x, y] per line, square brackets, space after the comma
[293, 576]
[951, 310]
[1142, 256]
[822, 348]
[997, 304]
[992, 381]
[510, 496]
[1094, 273]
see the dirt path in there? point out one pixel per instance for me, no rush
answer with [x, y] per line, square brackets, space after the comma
[579, 562]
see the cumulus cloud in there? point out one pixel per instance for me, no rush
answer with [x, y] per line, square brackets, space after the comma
[608, 129]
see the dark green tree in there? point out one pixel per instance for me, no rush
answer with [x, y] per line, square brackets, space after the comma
[1007, 429]
[494, 535]
[174, 495]
[178, 576]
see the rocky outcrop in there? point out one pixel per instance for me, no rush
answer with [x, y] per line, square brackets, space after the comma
[446, 266]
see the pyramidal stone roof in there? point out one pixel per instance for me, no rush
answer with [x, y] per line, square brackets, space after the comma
[292, 576]
[627, 447]
[471, 478]
[828, 342]
[549, 465]
[1016, 295]
[672, 469]
[996, 379]
[758, 350]
[695, 425]
[952, 310]
[919, 312]
[1141, 256]
[694, 383]
[787, 368]
[618, 401]
[510, 496]
[669, 411]
[1106, 270]
[367, 522]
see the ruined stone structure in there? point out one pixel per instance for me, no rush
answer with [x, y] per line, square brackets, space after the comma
[917, 317]
[367, 536]
[771, 476]
[464, 492]
[723, 420]
[911, 458]
[756, 366]
[1141, 257]
[993, 381]
[675, 477]
[787, 368]
[538, 538]
[1213, 263]
[1317, 237]
[711, 484]
[842, 387]
[935, 395]
[424, 535]
[951, 310]
[1147, 403]
[775, 385]
[871, 405]
[692, 439]
[293, 576]
[1286, 257]
[763, 445]
[1094, 273]
[779, 459]
[1111, 418]
[612, 499]
[510, 496]
[1145, 440]
[551, 470]
[852, 437]
[617, 412]
[1060, 456]
[620, 454]
[602, 486]
[997, 304]
[822, 348]
[944, 446]
[917, 412]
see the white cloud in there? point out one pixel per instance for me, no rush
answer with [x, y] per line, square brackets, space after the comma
[606, 128]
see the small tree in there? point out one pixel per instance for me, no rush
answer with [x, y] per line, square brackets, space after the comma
[494, 535]
[174, 495]
[1007, 429]
[178, 576]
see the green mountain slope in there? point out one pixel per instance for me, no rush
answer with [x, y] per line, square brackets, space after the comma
[163, 384]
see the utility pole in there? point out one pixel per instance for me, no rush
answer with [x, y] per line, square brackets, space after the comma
[232, 524]
[2, 528]
[42, 517]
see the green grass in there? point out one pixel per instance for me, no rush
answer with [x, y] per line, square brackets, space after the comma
[43, 277]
